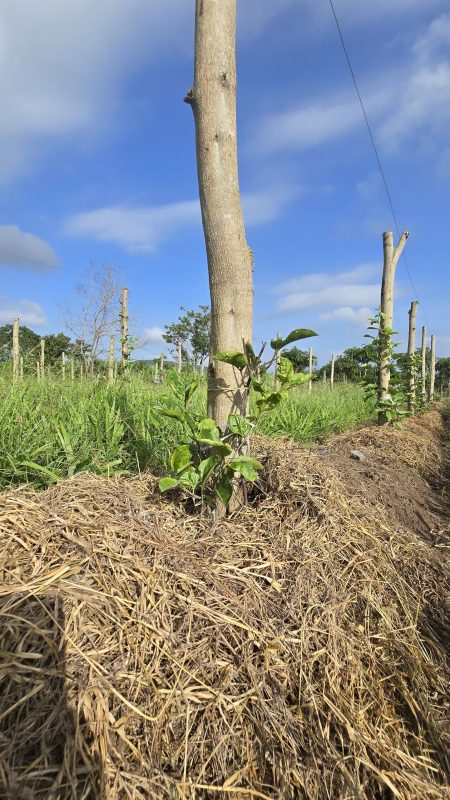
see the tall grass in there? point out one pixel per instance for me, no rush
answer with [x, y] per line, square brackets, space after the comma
[53, 429]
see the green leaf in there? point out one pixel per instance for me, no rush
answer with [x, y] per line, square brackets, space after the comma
[180, 458]
[284, 371]
[233, 357]
[189, 478]
[293, 336]
[190, 389]
[257, 385]
[221, 448]
[174, 413]
[167, 483]
[208, 429]
[246, 466]
[224, 488]
[206, 466]
[39, 468]
[300, 377]
[239, 425]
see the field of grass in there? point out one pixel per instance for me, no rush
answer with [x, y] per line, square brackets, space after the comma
[53, 429]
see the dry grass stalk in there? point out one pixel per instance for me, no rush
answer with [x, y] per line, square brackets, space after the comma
[292, 651]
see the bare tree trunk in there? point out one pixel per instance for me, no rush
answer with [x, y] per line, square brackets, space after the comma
[111, 360]
[42, 356]
[230, 260]
[432, 366]
[15, 348]
[423, 369]
[310, 368]
[124, 327]
[202, 368]
[332, 372]
[391, 257]
[179, 357]
[411, 355]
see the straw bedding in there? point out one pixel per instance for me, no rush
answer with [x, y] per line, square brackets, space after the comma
[294, 650]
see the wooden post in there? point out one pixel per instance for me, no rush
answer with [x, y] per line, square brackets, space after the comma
[38, 371]
[161, 363]
[115, 370]
[42, 357]
[124, 326]
[81, 370]
[111, 360]
[16, 352]
[155, 374]
[63, 365]
[179, 356]
[391, 257]
[324, 377]
[432, 367]
[332, 372]
[310, 368]
[423, 369]
[72, 369]
[411, 355]
[202, 368]
[21, 366]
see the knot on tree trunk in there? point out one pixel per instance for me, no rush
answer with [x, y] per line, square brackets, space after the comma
[189, 97]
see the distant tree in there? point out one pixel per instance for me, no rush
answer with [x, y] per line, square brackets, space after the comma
[355, 363]
[28, 342]
[55, 345]
[299, 358]
[96, 315]
[193, 333]
[442, 372]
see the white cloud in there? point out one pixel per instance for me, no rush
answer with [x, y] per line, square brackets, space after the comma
[20, 249]
[326, 290]
[411, 102]
[152, 336]
[356, 316]
[143, 229]
[29, 312]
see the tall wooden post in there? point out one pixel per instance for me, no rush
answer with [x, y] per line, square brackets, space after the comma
[155, 374]
[124, 327]
[111, 360]
[423, 368]
[63, 365]
[115, 370]
[332, 371]
[391, 257]
[324, 377]
[72, 369]
[310, 368]
[411, 356]
[202, 368]
[38, 371]
[432, 367]
[42, 357]
[277, 362]
[81, 370]
[21, 366]
[15, 348]
[179, 356]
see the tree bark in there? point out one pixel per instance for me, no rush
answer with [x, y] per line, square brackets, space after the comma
[230, 260]
[124, 326]
[411, 353]
[391, 257]
[423, 369]
[432, 366]
[15, 348]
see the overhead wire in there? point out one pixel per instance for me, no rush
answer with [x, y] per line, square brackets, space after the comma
[375, 149]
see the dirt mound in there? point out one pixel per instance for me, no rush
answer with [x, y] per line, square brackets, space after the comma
[293, 651]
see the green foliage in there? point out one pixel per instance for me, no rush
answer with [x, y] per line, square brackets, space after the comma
[28, 342]
[55, 345]
[206, 465]
[193, 333]
[299, 358]
[293, 336]
[393, 407]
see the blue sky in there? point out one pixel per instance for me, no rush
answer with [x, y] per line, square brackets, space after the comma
[97, 160]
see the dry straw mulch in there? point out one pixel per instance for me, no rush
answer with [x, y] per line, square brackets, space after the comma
[293, 651]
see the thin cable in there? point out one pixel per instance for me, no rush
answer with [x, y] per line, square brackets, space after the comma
[372, 139]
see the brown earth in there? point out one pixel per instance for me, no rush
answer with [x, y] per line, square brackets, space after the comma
[294, 650]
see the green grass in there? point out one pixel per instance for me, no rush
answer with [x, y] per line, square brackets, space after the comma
[53, 429]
